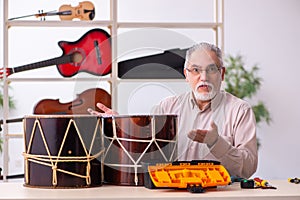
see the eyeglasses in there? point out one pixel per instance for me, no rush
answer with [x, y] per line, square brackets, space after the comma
[210, 69]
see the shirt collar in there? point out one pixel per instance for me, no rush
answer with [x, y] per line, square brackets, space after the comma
[215, 102]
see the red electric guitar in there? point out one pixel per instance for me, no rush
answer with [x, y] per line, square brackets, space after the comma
[91, 54]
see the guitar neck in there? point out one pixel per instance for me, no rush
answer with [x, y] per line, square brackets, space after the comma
[54, 61]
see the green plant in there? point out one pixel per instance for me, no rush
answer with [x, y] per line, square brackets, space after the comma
[11, 102]
[11, 105]
[244, 84]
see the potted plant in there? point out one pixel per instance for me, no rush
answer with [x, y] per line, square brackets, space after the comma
[244, 84]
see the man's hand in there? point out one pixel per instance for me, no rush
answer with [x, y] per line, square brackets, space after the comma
[209, 137]
[106, 111]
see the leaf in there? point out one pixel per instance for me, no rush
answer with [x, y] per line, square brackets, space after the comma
[261, 113]
[245, 83]
[11, 103]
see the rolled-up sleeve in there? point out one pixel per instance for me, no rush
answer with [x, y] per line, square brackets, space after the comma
[239, 155]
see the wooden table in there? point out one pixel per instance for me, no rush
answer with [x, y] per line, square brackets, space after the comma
[16, 190]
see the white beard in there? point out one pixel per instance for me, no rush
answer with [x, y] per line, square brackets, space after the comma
[207, 96]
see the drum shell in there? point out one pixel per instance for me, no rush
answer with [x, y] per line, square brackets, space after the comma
[82, 138]
[133, 135]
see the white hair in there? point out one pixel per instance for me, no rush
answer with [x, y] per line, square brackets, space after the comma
[204, 46]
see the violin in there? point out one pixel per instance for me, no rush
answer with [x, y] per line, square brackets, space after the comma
[84, 11]
[83, 101]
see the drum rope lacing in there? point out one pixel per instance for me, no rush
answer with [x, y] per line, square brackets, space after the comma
[54, 160]
[136, 164]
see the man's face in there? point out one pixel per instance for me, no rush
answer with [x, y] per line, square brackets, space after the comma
[204, 74]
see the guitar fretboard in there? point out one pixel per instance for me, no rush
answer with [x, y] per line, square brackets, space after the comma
[45, 63]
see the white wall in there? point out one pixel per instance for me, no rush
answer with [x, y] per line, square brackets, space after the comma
[267, 32]
[264, 31]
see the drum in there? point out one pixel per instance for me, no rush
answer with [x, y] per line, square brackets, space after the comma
[130, 141]
[62, 151]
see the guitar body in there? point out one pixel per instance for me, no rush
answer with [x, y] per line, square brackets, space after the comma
[92, 54]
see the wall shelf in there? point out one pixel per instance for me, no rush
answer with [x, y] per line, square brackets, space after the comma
[27, 23]
[169, 25]
[114, 25]
[56, 79]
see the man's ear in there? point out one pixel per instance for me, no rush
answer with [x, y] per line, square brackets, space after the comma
[223, 73]
[185, 74]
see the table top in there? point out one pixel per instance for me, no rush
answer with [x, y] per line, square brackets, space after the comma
[16, 190]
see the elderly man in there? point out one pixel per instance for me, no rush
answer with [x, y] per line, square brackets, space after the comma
[213, 124]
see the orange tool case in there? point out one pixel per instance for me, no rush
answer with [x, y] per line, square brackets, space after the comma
[193, 175]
